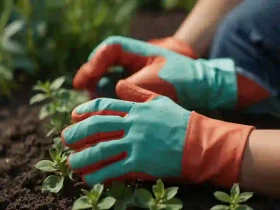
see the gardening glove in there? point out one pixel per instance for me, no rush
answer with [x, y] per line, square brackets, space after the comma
[199, 84]
[106, 86]
[151, 138]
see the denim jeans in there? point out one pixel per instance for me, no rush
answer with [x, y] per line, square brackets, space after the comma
[250, 35]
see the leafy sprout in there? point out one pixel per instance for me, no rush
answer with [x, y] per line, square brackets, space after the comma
[124, 195]
[235, 200]
[162, 198]
[59, 103]
[58, 166]
[92, 199]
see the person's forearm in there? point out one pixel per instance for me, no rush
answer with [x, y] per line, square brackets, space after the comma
[260, 171]
[199, 27]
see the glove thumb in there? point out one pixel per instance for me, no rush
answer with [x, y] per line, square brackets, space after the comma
[130, 92]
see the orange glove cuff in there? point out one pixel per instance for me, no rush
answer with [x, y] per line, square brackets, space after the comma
[214, 150]
[175, 45]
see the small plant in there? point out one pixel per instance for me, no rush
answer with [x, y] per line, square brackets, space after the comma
[124, 195]
[92, 199]
[58, 165]
[59, 103]
[162, 198]
[234, 200]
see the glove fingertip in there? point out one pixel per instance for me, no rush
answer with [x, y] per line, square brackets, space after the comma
[131, 92]
[63, 139]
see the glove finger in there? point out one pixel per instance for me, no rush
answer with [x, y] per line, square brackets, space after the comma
[148, 78]
[114, 51]
[111, 171]
[93, 130]
[101, 106]
[130, 92]
[95, 157]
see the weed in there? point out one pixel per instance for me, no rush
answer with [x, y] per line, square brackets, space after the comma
[92, 199]
[234, 200]
[59, 103]
[58, 166]
[161, 199]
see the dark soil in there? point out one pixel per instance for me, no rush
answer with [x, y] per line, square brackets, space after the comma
[23, 144]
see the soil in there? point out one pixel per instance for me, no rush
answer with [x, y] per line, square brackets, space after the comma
[23, 143]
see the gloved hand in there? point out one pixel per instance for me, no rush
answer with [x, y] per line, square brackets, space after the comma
[106, 87]
[149, 138]
[191, 83]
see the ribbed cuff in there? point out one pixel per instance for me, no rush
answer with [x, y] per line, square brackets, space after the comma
[214, 150]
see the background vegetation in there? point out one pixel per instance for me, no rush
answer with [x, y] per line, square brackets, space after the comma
[53, 38]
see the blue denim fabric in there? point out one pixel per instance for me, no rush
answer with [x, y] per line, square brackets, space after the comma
[250, 35]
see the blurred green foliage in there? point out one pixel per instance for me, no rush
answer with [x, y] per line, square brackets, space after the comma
[51, 38]
[54, 37]
[167, 5]
[176, 4]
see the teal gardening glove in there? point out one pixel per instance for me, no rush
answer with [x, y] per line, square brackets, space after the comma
[121, 131]
[150, 136]
[194, 84]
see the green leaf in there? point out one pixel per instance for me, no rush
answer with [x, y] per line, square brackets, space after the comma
[7, 42]
[220, 207]
[126, 8]
[158, 189]
[58, 145]
[5, 73]
[117, 189]
[44, 112]
[120, 205]
[161, 206]
[222, 197]
[243, 207]
[106, 203]
[38, 98]
[245, 196]
[98, 189]
[53, 154]
[170, 192]
[46, 165]
[13, 28]
[53, 184]
[12, 46]
[82, 203]
[40, 87]
[173, 204]
[144, 197]
[51, 132]
[69, 173]
[57, 83]
[63, 158]
[235, 191]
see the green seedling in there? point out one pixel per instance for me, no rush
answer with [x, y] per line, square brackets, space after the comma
[92, 199]
[59, 103]
[58, 166]
[124, 195]
[162, 198]
[234, 200]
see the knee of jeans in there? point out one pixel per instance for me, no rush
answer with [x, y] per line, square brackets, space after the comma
[224, 39]
[252, 26]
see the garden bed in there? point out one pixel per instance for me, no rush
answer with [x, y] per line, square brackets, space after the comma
[23, 143]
